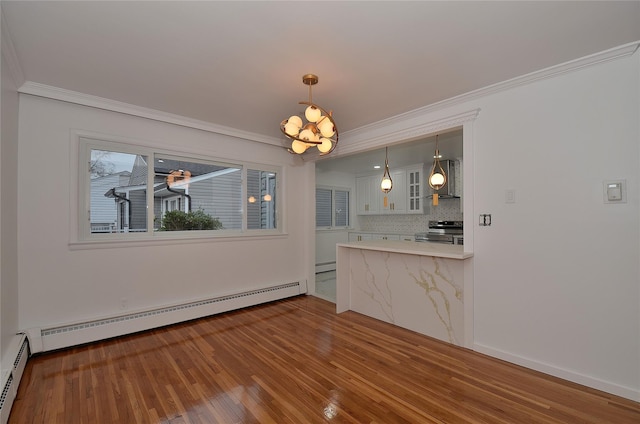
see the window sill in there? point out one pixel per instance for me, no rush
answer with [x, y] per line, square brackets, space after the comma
[157, 240]
[334, 229]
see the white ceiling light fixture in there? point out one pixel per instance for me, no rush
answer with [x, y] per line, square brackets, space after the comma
[437, 177]
[319, 131]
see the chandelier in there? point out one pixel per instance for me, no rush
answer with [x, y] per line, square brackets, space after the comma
[319, 131]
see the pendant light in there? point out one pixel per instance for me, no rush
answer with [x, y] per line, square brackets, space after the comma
[437, 177]
[386, 184]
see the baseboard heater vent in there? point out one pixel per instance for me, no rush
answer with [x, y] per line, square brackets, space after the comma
[10, 389]
[5, 394]
[84, 332]
[19, 357]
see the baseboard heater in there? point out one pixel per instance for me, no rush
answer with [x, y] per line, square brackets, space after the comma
[11, 378]
[325, 266]
[46, 339]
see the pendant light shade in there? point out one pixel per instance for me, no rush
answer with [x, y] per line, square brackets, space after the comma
[437, 179]
[437, 176]
[386, 184]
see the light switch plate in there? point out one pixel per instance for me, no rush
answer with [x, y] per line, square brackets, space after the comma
[615, 191]
[510, 196]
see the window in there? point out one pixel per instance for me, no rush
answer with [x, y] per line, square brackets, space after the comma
[261, 199]
[117, 200]
[201, 195]
[341, 206]
[130, 189]
[332, 207]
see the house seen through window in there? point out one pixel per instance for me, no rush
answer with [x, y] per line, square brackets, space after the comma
[153, 193]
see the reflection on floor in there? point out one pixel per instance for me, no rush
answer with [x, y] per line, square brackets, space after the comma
[326, 285]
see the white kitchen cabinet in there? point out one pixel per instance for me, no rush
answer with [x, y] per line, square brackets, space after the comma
[359, 236]
[406, 196]
[374, 236]
[385, 237]
[397, 197]
[367, 195]
[416, 181]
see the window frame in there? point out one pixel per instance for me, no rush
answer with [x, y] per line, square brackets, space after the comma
[81, 230]
[333, 190]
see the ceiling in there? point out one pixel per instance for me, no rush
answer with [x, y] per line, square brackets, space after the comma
[240, 64]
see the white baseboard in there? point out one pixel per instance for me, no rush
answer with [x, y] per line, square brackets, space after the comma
[605, 386]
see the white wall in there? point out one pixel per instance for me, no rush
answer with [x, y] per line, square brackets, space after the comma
[8, 203]
[59, 284]
[556, 278]
[556, 275]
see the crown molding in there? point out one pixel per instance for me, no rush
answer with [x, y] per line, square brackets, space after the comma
[364, 141]
[55, 93]
[404, 127]
[9, 52]
[550, 72]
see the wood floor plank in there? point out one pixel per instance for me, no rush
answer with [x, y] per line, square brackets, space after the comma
[296, 361]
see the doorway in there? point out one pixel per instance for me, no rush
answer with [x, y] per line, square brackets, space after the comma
[326, 285]
[343, 171]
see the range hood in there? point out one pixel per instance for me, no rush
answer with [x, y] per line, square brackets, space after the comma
[447, 191]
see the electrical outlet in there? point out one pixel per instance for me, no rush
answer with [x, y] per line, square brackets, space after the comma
[485, 220]
[124, 303]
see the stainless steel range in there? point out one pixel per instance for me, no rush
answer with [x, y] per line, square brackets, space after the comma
[449, 232]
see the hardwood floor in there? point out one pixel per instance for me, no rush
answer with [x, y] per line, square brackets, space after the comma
[296, 361]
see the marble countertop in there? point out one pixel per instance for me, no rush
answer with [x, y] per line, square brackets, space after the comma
[440, 250]
[381, 232]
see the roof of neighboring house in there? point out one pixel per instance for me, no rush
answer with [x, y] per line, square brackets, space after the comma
[138, 174]
[139, 171]
[117, 174]
[167, 165]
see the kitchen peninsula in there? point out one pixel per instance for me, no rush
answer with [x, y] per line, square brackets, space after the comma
[418, 286]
